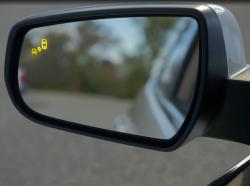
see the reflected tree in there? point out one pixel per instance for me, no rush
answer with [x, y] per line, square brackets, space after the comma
[69, 64]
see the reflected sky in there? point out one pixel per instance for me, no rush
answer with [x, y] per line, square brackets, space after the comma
[129, 33]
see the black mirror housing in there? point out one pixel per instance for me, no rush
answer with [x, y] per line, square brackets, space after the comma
[213, 90]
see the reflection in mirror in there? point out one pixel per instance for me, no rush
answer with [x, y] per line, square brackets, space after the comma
[135, 75]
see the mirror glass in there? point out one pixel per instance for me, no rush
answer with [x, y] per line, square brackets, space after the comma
[134, 75]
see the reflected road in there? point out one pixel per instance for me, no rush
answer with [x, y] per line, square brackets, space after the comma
[93, 110]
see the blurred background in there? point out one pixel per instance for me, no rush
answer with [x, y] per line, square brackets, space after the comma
[102, 74]
[36, 155]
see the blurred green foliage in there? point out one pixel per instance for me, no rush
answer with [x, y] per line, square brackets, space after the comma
[77, 70]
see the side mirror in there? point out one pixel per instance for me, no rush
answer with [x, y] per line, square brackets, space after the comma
[149, 75]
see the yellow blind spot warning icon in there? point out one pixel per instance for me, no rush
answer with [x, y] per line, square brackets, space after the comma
[33, 51]
[44, 44]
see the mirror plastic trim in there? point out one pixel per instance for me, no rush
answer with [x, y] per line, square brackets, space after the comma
[232, 173]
